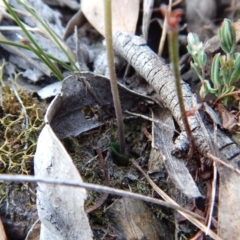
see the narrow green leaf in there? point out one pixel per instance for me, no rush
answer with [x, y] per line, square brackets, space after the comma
[223, 77]
[209, 88]
[228, 90]
[121, 160]
[215, 70]
[227, 36]
[236, 71]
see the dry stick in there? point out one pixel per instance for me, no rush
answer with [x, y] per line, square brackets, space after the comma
[31, 229]
[147, 13]
[223, 163]
[164, 27]
[226, 95]
[212, 144]
[170, 200]
[164, 31]
[214, 180]
[151, 120]
[105, 195]
[158, 74]
[94, 187]
[213, 195]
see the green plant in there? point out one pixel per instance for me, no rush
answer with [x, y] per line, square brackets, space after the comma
[173, 18]
[225, 69]
[113, 79]
[31, 45]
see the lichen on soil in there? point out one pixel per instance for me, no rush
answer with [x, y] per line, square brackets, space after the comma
[21, 122]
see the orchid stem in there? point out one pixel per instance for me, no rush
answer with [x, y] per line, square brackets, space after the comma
[112, 74]
[173, 49]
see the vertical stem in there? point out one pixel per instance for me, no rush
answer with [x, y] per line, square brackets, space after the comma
[113, 78]
[164, 30]
[173, 49]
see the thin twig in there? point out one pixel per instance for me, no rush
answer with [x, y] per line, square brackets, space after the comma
[26, 119]
[95, 187]
[213, 195]
[151, 119]
[214, 180]
[216, 159]
[164, 31]
[105, 195]
[226, 95]
[170, 200]
[31, 229]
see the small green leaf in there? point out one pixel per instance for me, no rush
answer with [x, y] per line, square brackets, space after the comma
[202, 58]
[206, 88]
[121, 160]
[223, 77]
[227, 36]
[215, 70]
[192, 39]
[197, 69]
[236, 71]
[227, 100]
[203, 92]
[209, 88]
[228, 90]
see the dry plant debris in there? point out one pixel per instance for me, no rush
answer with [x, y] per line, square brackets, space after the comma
[97, 128]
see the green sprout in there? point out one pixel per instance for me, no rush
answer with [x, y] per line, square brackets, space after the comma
[225, 69]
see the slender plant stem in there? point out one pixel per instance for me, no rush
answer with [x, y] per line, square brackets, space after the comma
[112, 74]
[173, 49]
[164, 31]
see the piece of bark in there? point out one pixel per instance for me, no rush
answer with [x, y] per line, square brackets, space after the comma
[159, 75]
[162, 140]
[18, 212]
[132, 219]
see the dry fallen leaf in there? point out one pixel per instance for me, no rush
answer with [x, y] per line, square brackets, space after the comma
[229, 120]
[228, 206]
[124, 14]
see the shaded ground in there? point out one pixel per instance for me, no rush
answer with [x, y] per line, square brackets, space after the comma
[83, 152]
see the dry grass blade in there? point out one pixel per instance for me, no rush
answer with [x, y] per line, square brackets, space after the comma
[216, 159]
[193, 220]
[41, 68]
[164, 31]
[94, 187]
[147, 13]
[105, 195]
